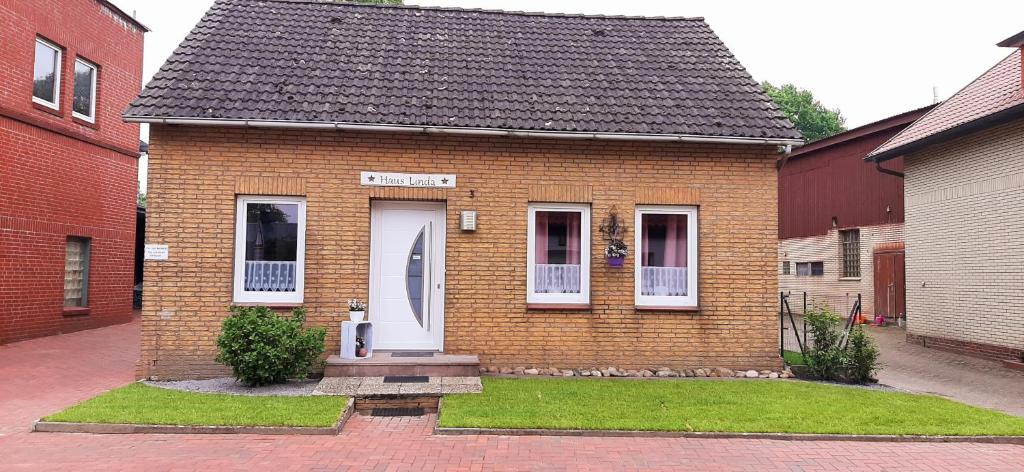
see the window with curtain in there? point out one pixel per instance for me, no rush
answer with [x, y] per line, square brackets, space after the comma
[666, 269]
[269, 247]
[558, 254]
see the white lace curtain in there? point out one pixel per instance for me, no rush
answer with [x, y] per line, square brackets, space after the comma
[269, 276]
[557, 278]
[663, 281]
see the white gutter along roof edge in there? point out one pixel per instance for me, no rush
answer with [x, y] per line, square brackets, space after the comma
[463, 131]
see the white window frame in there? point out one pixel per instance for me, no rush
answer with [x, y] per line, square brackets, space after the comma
[91, 118]
[582, 298]
[240, 294]
[690, 300]
[56, 75]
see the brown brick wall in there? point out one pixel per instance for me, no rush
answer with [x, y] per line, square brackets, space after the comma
[196, 172]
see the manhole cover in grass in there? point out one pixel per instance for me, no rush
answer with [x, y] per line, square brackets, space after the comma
[412, 354]
[397, 412]
[390, 379]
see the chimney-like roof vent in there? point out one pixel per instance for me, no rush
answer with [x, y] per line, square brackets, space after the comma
[1014, 41]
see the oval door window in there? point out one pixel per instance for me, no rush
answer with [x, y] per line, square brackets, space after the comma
[414, 277]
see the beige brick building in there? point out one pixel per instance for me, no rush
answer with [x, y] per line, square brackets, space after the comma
[965, 210]
[470, 218]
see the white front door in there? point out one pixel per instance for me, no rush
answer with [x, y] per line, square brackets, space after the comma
[407, 275]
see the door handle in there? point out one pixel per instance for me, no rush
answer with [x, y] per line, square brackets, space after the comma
[428, 278]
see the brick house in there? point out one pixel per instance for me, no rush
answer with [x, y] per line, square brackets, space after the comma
[964, 166]
[851, 242]
[68, 187]
[454, 167]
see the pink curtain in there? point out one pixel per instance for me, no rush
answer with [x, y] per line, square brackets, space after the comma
[675, 250]
[540, 238]
[573, 241]
[572, 222]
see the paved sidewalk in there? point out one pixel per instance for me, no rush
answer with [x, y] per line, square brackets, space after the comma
[970, 380]
[43, 375]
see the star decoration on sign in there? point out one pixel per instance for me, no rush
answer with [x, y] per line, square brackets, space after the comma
[444, 181]
[370, 178]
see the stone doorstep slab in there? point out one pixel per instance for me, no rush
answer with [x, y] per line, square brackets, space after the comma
[596, 433]
[375, 386]
[107, 428]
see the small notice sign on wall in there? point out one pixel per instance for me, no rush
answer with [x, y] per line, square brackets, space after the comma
[156, 252]
[399, 179]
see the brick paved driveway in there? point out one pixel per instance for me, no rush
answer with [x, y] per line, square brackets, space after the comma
[40, 376]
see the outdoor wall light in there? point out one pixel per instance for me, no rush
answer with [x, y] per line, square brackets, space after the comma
[467, 220]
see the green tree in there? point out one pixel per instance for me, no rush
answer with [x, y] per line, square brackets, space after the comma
[814, 120]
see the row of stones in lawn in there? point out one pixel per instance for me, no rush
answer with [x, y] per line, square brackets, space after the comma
[655, 372]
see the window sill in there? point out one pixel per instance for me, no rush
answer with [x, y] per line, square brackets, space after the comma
[76, 310]
[47, 109]
[852, 279]
[689, 309]
[84, 122]
[558, 306]
[282, 306]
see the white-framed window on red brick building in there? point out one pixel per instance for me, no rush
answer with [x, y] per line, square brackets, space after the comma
[270, 244]
[666, 256]
[76, 272]
[558, 254]
[83, 102]
[46, 74]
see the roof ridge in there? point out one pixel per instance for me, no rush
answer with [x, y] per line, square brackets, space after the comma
[495, 11]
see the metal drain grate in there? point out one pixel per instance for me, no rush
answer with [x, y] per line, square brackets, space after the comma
[412, 354]
[391, 379]
[396, 412]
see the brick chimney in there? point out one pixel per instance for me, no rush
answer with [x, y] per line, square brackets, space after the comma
[1016, 41]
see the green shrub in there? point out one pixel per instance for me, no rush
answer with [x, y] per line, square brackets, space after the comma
[829, 358]
[863, 354]
[264, 348]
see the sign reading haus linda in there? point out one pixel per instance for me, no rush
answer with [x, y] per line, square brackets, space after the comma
[400, 179]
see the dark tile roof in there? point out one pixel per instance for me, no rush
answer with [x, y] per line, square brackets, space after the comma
[997, 91]
[310, 61]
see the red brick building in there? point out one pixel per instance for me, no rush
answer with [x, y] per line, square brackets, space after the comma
[68, 165]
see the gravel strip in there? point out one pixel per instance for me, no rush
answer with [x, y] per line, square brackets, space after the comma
[228, 385]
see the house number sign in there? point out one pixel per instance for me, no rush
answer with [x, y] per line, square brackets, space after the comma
[399, 179]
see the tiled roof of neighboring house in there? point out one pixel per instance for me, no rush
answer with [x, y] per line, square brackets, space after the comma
[995, 94]
[885, 124]
[315, 62]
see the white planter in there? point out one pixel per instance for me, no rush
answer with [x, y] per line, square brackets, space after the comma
[356, 316]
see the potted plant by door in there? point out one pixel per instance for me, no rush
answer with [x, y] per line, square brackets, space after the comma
[616, 253]
[356, 310]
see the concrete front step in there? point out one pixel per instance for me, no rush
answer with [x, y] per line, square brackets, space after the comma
[378, 387]
[385, 363]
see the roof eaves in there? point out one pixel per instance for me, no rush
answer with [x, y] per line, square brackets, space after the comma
[864, 130]
[963, 129]
[780, 141]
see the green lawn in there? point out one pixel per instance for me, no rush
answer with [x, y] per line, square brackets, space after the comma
[142, 404]
[716, 405]
[793, 357]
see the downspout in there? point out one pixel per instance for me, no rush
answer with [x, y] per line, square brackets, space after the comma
[878, 167]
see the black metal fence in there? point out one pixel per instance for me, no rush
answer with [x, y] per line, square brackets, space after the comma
[794, 335]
